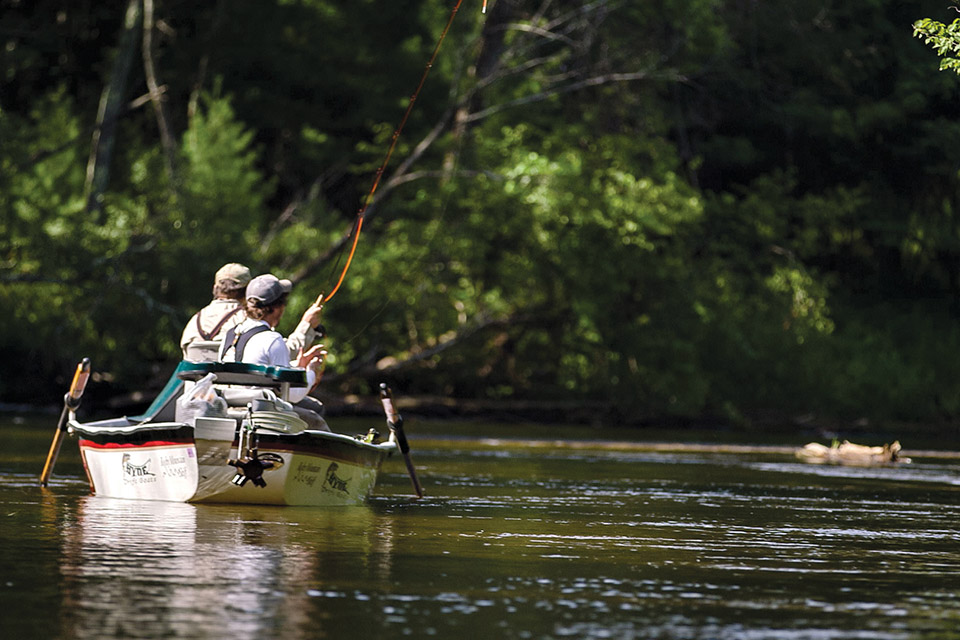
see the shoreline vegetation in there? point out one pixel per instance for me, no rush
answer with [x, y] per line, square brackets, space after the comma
[658, 436]
[601, 212]
[589, 420]
[667, 447]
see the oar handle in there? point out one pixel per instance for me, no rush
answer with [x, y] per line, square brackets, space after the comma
[394, 419]
[386, 399]
[79, 383]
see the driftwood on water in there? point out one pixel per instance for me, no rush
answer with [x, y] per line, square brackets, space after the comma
[851, 454]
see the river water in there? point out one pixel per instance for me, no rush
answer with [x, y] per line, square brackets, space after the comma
[517, 538]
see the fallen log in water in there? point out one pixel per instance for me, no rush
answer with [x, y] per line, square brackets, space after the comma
[851, 454]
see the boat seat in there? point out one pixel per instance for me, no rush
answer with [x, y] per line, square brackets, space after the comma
[163, 407]
[203, 351]
[263, 382]
[242, 373]
[310, 419]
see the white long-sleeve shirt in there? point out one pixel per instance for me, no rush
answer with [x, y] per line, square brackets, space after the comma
[301, 338]
[268, 348]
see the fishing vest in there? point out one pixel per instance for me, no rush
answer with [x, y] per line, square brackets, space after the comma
[239, 342]
[216, 329]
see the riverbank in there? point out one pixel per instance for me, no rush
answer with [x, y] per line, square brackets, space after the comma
[598, 416]
[589, 419]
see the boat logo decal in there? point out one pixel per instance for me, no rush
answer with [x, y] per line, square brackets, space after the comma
[333, 480]
[136, 473]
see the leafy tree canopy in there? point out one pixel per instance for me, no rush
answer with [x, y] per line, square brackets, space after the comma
[666, 208]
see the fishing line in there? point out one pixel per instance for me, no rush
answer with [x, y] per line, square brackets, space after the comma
[358, 224]
[426, 245]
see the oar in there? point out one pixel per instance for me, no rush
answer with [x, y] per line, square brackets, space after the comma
[71, 402]
[395, 422]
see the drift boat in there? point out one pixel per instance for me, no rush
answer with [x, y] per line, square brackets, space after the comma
[249, 446]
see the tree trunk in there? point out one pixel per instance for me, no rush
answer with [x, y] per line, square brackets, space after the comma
[111, 104]
[491, 48]
[219, 12]
[156, 94]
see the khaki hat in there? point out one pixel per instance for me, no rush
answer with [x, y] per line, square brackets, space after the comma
[232, 276]
[267, 289]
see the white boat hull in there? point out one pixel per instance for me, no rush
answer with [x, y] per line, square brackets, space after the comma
[163, 461]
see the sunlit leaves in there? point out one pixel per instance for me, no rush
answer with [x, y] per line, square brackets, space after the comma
[39, 186]
[222, 185]
[808, 309]
[944, 38]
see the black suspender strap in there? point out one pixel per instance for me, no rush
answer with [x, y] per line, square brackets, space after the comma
[245, 338]
[228, 341]
[239, 342]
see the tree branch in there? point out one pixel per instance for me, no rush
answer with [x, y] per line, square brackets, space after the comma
[459, 114]
[371, 366]
[573, 86]
[311, 267]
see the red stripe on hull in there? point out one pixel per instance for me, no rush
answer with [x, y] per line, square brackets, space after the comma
[140, 445]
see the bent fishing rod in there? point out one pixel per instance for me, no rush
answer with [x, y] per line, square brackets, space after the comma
[358, 223]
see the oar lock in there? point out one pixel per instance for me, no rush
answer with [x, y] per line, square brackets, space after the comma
[370, 437]
[70, 402]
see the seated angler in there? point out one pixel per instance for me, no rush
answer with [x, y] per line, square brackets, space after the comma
[204, 332]
[256, 341]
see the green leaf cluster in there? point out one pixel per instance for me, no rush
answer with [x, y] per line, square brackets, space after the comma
[944, 38]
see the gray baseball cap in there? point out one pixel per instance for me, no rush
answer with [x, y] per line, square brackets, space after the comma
[267, 289]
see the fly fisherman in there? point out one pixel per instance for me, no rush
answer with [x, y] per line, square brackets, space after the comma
[224, 311]
[203, 334]
[256, 341]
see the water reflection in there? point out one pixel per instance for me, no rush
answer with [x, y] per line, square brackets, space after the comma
[516, 543]
[156, 569]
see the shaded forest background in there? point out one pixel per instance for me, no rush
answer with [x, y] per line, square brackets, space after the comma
[686, 210]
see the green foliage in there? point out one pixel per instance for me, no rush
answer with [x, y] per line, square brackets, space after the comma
[39, 206]
[943, 38]
[671, 208]
[223, 192]
[111, 286]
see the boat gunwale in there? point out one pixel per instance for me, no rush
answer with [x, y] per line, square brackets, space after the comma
[270, 438]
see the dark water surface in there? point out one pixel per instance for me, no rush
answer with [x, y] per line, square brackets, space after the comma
[512, 541]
